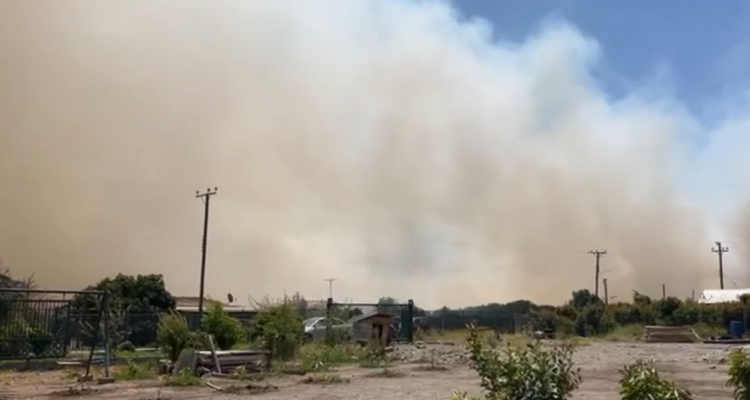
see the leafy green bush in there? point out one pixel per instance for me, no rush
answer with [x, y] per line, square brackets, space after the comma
[183, 379]
[278, 329]
[226, 330]
[594, 319]
[526, 372]
[173, 334]
[134, 372]
[126, 347]
[641, 381]
[739, 374]
[40, 341]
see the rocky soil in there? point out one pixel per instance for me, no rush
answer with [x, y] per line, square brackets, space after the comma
[701, 368]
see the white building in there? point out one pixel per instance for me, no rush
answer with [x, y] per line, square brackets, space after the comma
[716, 296]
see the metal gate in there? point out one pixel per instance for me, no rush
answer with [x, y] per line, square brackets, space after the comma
[36, 324]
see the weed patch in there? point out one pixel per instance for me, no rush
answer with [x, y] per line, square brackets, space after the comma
[386, 373]
[324, 379]
[183, 379]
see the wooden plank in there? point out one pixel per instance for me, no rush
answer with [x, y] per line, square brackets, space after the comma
[211, 342]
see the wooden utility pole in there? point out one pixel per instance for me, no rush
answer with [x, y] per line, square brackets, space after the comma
[330, 286]
[606, 291]
[206, 197]
[597, 254]
[720, 251]
[663, 291]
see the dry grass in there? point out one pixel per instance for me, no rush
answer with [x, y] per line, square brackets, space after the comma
[458, 336]
[27, 378]
[324, 379]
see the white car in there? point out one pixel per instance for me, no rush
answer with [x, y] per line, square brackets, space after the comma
[315, 328]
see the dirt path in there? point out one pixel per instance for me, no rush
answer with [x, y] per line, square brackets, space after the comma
[700, 368]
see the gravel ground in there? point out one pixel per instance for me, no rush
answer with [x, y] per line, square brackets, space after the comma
[701, 368]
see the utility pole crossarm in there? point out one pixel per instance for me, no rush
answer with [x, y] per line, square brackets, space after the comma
[330, 286]
[208, 193]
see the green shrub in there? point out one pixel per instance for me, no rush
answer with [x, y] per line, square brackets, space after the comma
[739, 374]
[183, 379]
[126, 347]
[199, 341]
[133, 372]
[40, 341]
[594, 319]
[173, 334]
[226, 330]
[641, 381]
[278, 329]
[525, 372]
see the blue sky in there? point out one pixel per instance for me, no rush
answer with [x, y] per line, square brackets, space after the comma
[693, 53]
[698, 44]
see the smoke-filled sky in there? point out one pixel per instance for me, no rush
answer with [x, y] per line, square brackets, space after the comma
[399, 146]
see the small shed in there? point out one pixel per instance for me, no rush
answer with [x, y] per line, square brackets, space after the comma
[371, 327]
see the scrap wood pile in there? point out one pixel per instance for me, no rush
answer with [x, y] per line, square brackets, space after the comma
[202, 362]
[670, 334]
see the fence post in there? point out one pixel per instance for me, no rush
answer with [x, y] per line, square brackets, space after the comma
[95, 337]
[105, 301]
[410, 312]
[329, 311]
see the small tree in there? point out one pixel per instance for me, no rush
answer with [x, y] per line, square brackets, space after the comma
[227, 330]
[594, 319]
[277, 328]
[527, 372]
[173, 334]
[642, 381]
[739, 374]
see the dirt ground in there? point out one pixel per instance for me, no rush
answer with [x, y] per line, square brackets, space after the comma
[701, 368]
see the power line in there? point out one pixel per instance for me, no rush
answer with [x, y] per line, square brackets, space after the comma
[720, 251]
[597, 254]
[206, 197]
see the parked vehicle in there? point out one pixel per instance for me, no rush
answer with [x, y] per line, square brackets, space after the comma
[315, 328]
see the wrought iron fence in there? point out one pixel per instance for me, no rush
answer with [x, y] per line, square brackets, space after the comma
[137, 328]
[502, 322]
[35, 324]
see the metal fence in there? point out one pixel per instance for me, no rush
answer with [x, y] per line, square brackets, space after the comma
[136, 328]
[501, 322]
[36, 324]
[139, 329]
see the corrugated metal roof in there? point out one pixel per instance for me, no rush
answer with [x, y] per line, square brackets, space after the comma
[364, 317]
[716, 296]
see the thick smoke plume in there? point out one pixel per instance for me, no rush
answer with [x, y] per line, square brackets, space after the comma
[389, 144]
